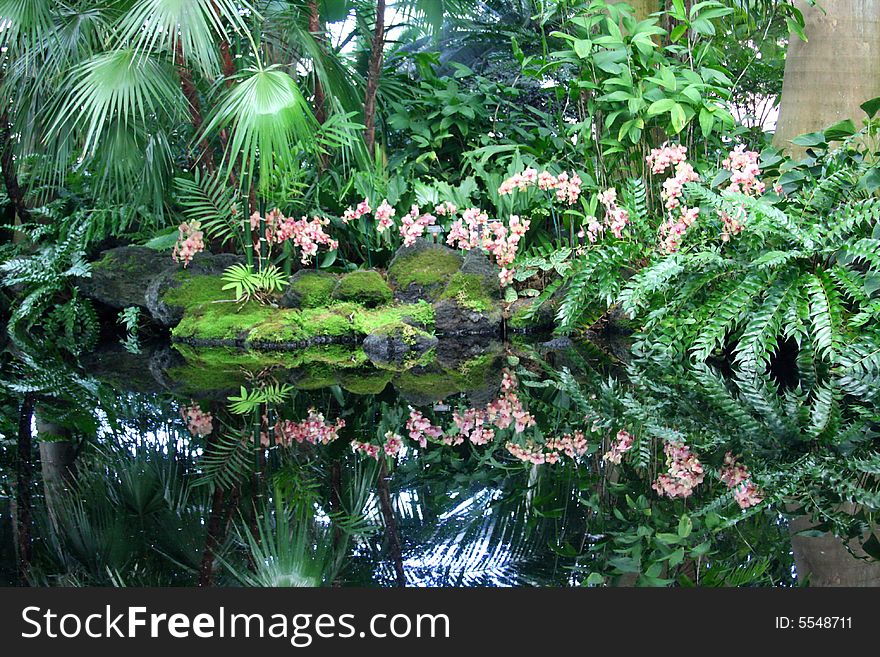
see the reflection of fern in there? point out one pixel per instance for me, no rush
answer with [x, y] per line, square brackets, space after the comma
[227, 462]
[248, 400]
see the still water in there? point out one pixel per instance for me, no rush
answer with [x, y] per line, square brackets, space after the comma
[523, 463]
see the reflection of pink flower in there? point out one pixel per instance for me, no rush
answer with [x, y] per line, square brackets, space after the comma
[314, 429]
[199, 422]
[393, 443]
[420, 428]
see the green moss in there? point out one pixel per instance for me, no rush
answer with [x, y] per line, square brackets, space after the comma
[364, 287]
[254, 323]
[425, 267]
[469, 290]
[419, 314]
[194, 290]
[365, 382]
[312, 289]
[222, 320]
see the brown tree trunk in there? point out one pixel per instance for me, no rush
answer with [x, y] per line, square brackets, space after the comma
[10, 177]
[374, 71]
[317, 31]
[24, 469]
[57, 462]
[391, 533]
[829, 76]
[205, 158]
[213, 538]
[825, 561]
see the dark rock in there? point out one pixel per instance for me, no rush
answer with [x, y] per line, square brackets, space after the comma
[542, 320]
[203, 264]
[122, 275]
[452, 318]
[421, 271]
[556, 344]
[309, 288]
[397, 345]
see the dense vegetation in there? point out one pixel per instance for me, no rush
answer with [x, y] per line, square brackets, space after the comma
[616, 166]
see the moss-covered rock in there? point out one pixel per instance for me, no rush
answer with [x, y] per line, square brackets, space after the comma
[253, 324]
[470, 291]
[367, 288]
[309, 288]
[201, 280]
[523, 317]
[121, 276]
[422, 270]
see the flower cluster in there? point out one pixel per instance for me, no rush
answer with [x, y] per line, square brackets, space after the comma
[568, 188]
[445, 209]
[384, 216]
[623, 442]
[392, 445]
[474, 230]
[352, 214]
[307, 235]
[616, 217]
[420, 428]
[369, 449]
[685, 471]
[744, 171]
[413, 225]
[199, 422]
[571, 445]
[736, 477]
[680, 216]
[314, 429]
[665, 157]
[190, 240]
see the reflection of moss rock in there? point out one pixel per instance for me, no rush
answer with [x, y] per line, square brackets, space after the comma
[365, 382]
[398, 345]
[308, 288]
[422, 385]
[422, 270]
[367, 288]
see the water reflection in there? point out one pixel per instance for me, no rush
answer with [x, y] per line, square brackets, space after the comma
[107, 480]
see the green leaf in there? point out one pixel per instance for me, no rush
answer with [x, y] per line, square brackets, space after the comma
[583, 47]
[840, 130]
[679, 119]
[685, 525]
[870, 107]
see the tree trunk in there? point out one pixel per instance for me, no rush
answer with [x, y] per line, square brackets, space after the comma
[825, 561]
[391, 533]
[191, 93]
[827, 78]
[24, 469]
[374, 71]
[10, 177]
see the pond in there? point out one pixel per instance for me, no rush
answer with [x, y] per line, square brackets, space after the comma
[525, 462]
